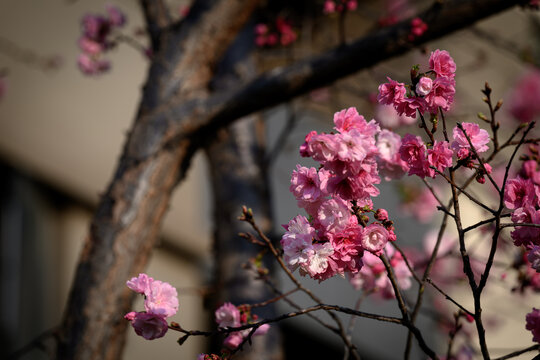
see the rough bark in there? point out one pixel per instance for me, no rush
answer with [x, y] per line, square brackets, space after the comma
[127, 221]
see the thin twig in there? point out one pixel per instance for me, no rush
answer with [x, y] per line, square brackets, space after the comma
[448, 297]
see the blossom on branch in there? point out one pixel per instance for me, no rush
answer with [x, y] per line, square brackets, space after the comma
[161, 302]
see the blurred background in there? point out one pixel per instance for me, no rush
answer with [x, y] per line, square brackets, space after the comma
[61, 134]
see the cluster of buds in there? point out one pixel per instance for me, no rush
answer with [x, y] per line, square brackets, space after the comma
[418, 28]
[339, 6]
[96, 40]
[279, 33]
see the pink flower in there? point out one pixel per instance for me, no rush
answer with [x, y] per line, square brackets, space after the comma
[418, 27]
[149, 326]
[413, 152]
[524, 99]
[442, 63]
[318, 262]
[305, 184]
[391, 93]
[352, 5]
[479, 139]
[440, 157]
[334, 215]
[297, 242]
[441, 95]
[519, 192]
[409, 106]
[233, 340]
[261, 29]
[348, 119]
[227, 315]
[374, 238]
[91, 66]
[424, 86]
[95, 27]
[533, 324]
[90, 46]
[116, 16]
[534, 257]
[140, 284]
[526, 235]
[390, 164]
[262, 330]
[162, 299]
[304, 150]
[329, 7]
[322, 147]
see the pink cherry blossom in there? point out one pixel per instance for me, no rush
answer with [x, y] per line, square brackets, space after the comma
[441, 94]
[262, 330]
[329, 7]
[409, 106]
[390, 163]
[413, 152]
[162, 299]
[479, 139]
[439, 156]
[149, 326]
[305, 184]
[318, 263]
[348, 119]
[90, 46]
[374, 238]
[233, 340]
[352, 5]
[90, 66]
[228, 315]
[526, 235]
[334, 215]
[418, 27]
[391, 93]
[424, 86]
[297, 242]
[442, 63]
[140, 284]
[519, 192]
[322, 147]
[533, 324]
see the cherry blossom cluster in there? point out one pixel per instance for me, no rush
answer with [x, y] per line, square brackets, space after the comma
[95, 40]
[160, 303]
[339, 6]
[270, 35]
[230, 316]
[429, 92]
[337, 198]
[522, 195]
[372, 277]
